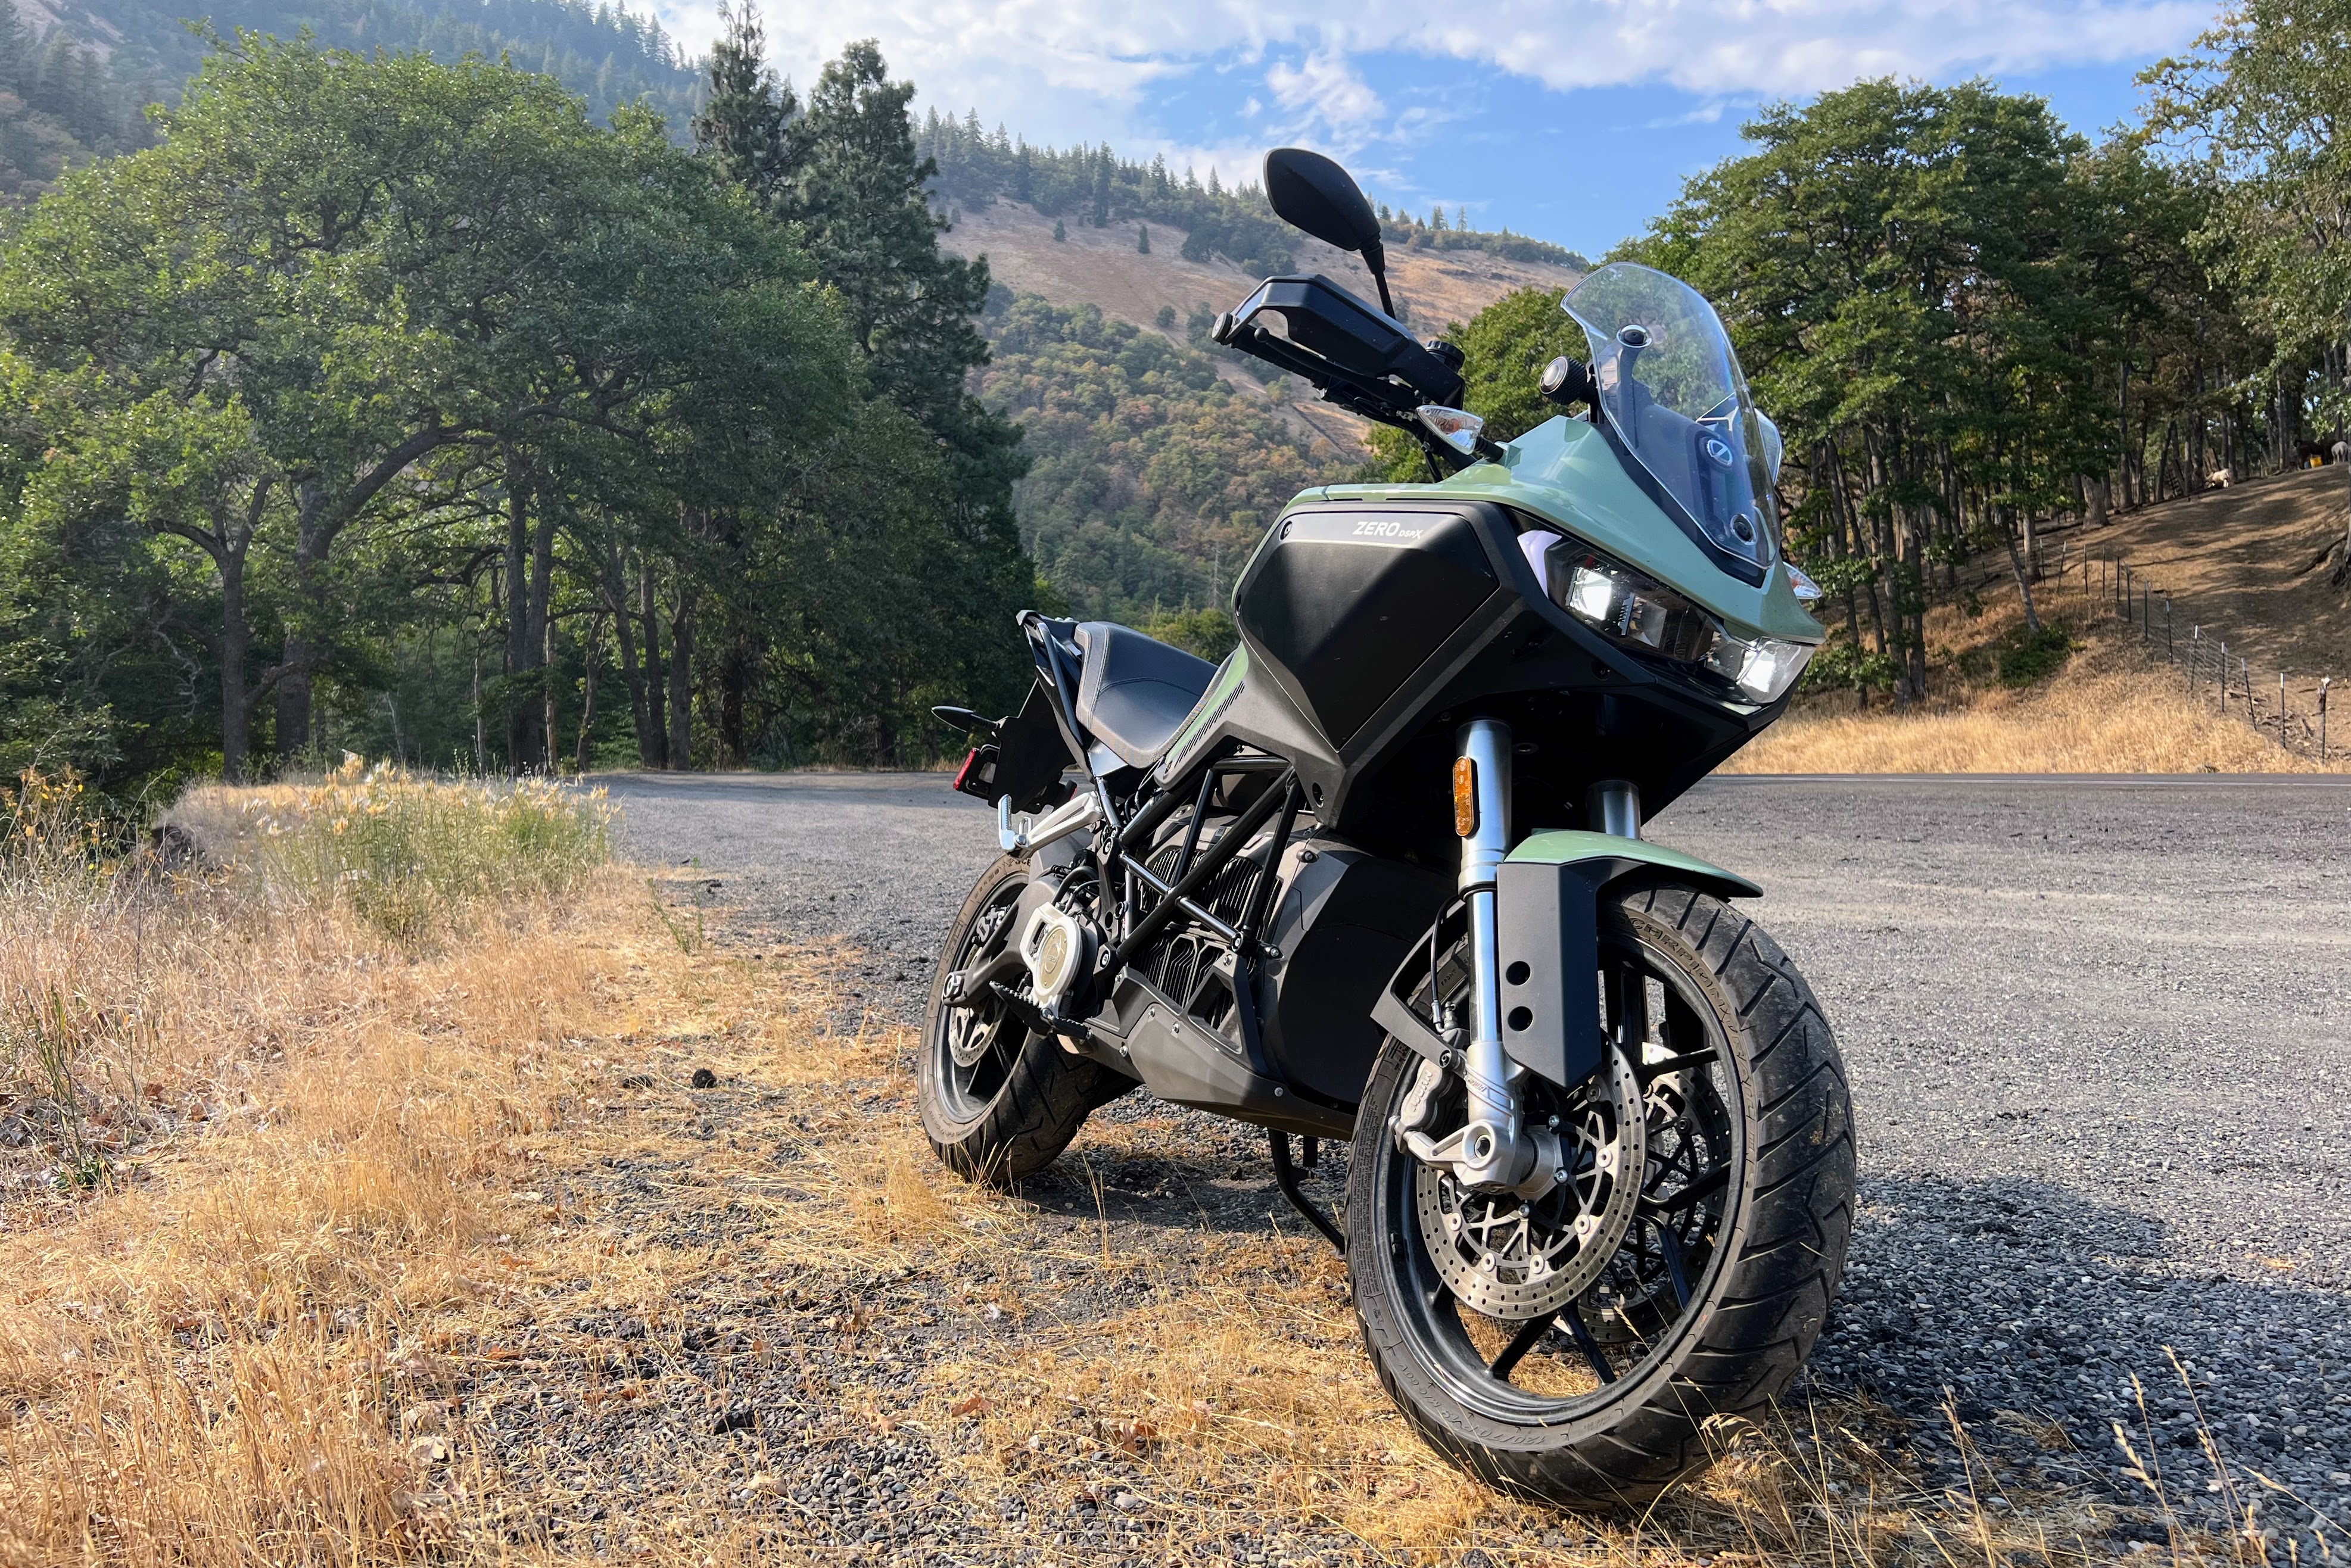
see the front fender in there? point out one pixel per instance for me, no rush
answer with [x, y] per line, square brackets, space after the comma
[1547, 922]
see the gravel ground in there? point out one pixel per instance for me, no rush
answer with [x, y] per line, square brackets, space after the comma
[2099, 1034]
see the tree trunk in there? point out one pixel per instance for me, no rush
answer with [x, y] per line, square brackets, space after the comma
[527, 738]
[236, 707]
[2023, 578]
[2098, 502]
[595, 657]
[681, 679]
[547, 685]
[652, 738]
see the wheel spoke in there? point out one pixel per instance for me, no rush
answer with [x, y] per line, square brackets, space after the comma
[1587, 1345]
[1652, 1070]
[1530, 1335]
[1700, 1189]
[1670, 1248]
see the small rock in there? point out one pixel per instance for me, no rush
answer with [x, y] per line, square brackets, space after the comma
[1128, 1503]
[736, 1418]
[704, 1079]
[430, 1416]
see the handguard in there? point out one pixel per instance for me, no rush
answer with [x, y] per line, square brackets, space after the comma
[1547, 929]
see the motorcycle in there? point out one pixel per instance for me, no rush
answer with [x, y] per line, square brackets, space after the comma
[1380, 876]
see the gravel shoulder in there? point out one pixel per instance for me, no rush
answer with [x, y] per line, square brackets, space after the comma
[2099, 1034]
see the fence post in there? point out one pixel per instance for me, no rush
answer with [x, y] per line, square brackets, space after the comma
[2195, 655]
[2224, 677]
[2280, 707]
[2168, 651]
[2323, 681]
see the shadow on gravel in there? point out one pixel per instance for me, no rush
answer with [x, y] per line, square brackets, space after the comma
[2034, 1309]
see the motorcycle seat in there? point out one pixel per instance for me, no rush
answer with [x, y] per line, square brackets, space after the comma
[1134, 693]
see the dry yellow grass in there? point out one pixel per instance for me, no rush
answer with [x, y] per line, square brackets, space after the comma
[292, 1331]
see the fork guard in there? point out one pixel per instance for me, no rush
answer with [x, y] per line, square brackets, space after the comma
[1546, 915]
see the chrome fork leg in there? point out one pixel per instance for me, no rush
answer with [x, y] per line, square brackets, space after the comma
[1494, 1150]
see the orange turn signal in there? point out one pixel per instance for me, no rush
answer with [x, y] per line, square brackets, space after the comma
[1465, 797]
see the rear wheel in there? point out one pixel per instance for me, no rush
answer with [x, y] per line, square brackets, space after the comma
[1573, 1346]
[998, 1101]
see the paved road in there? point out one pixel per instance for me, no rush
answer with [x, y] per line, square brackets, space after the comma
[2100, 1039]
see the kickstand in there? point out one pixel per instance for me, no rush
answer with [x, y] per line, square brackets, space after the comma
[1285, 1176]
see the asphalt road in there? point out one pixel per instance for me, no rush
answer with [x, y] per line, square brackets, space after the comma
[2099, 1035]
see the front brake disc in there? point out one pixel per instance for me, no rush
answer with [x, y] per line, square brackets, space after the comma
[1513, 1259]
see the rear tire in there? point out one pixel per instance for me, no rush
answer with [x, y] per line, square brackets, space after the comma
[1751, 1164]
[1010, 1111]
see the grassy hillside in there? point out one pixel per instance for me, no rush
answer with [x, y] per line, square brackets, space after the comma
[2250, 567]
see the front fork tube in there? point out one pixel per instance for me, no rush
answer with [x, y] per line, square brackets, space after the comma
[1495, 1150]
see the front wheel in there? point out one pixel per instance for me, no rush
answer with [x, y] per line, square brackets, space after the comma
[1574, 1348]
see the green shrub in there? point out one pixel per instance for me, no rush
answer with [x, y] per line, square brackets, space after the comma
[2028, 656]
[412, 856]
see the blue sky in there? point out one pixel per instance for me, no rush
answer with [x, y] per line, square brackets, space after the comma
[1573, 121]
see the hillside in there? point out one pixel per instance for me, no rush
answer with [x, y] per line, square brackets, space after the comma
[1105, 268]
[1118, 524]
[75, 74]
[2255, 563]
[2249, 566]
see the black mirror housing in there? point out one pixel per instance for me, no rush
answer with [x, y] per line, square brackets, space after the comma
[1310, 191]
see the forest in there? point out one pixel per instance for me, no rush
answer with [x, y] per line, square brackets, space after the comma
[1967, 322]
[1096, 186]
[65, 100]
[421, 408]
[400, 406]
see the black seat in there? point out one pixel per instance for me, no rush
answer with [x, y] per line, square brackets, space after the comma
[1133, 693]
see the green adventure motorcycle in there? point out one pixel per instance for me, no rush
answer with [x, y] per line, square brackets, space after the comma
[1380, 876]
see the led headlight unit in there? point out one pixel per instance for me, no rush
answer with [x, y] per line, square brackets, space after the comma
[1629, 610]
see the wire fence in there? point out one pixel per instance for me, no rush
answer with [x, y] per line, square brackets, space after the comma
[2292, 712]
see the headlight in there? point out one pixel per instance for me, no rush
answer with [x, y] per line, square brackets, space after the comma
[1629, 609]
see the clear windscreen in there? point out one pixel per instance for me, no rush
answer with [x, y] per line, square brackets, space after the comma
[1671, 388]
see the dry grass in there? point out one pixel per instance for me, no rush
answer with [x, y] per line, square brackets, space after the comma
[314, 1325]
[2110, 709]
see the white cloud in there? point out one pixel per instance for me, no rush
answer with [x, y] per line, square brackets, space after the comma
[1327, 94]
[1067, 70]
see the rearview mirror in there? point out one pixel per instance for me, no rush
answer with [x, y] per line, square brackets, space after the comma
[1310, 191]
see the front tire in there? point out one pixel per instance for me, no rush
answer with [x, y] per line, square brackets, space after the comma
[1711, 1301]
[998, 1101]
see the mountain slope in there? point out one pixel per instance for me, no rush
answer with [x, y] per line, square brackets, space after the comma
[1107, 364]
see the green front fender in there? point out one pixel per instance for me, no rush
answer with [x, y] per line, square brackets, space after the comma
[1547, 931]
[1613, 857]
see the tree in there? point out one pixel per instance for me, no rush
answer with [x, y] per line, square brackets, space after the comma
[1060, 230]
[1142, 239]
[2263, 98]
[350, 288]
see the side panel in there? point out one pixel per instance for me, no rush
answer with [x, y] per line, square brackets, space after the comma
[1346, 920]
[1345, 605]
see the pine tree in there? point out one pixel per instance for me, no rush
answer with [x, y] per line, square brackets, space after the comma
[1061, 229]
[746, 128]
[1142, 239]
